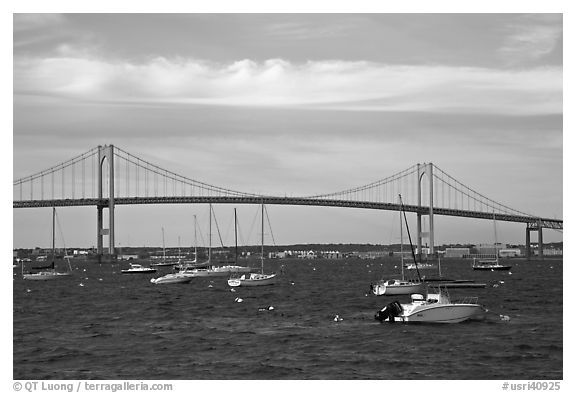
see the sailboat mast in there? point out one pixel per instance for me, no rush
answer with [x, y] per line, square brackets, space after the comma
[195, 241]
[235, 237]
[262, 256]
[163, 247]
[410, 239]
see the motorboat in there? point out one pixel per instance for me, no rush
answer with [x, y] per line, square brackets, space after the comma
[136, 268]
[171, 278]
[435, 308]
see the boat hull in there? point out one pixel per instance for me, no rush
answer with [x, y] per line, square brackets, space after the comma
[441, 313]
[44, 276]
[381, 289]
[171, 279]
[143, 271]
[490, 268]
[255, 280]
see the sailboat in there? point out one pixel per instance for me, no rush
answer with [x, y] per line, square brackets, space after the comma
[490, 264]
[179, 277]
[164, 263]
[192, 264]
[214, 271]
[51, 273]
[255, 279]
[400, 286]
[234, 268]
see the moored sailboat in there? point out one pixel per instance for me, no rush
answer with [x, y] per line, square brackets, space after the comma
[210, 270]
[490, 264]
[50, 273]
[400, 286]
[164, 263]
[255, 279]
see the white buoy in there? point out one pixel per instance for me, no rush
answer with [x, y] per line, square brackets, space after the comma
[210, 286]
[28, 290]
[270, 308]
[509, 272]
[80, 285]
[232, 290]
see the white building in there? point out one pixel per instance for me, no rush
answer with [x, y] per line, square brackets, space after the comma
[457, 252]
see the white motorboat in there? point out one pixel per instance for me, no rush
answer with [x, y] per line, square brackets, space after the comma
[255, 279]
[399, 286]
[136, 268]
[171, 278]
[50, 273]
[436, 308]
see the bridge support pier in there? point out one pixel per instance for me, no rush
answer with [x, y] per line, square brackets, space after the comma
[105, 152]
[534, 227]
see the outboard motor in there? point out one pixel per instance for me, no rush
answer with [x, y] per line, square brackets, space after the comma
[390, 311]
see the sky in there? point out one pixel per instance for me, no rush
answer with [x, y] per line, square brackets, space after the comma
[293, 104]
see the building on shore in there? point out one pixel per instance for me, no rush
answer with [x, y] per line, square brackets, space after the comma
[459, 252]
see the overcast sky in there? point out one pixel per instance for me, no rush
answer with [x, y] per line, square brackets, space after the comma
[294, 104]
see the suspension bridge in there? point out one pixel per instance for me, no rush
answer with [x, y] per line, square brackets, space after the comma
[106, 176]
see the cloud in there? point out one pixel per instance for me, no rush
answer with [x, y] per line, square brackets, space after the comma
[343, 85]
[302, 31]
[36, 21]
[532, 37]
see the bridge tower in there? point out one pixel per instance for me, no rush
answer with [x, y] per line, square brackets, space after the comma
[105, 152]
[425, 169]
[534, 226]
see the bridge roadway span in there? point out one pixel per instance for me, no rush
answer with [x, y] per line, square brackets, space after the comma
[271, 200]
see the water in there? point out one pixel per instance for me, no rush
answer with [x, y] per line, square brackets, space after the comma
[123, 327]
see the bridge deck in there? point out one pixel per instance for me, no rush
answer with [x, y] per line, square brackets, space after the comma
[271, 200]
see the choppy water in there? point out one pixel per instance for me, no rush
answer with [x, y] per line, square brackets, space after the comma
[123, 327]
